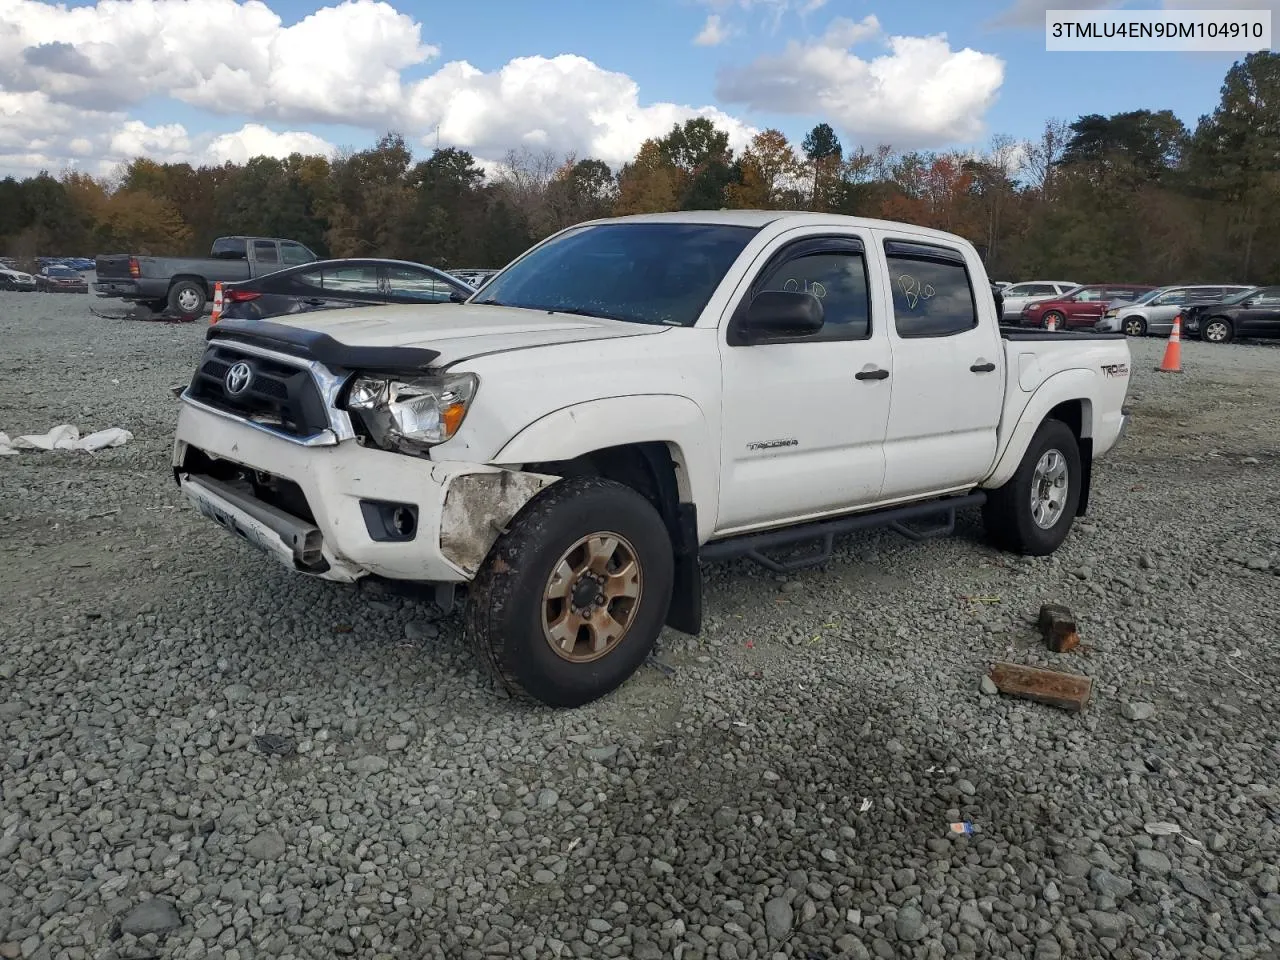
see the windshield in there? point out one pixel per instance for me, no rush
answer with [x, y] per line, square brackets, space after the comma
[62, 272]
[1242, 295]
[1149, 296]
[657, 273]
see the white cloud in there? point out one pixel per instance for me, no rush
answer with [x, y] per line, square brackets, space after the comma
[37, 133]
[565, 103]
[222, 55]
[919, 93]
[713, 32]
[88, 67]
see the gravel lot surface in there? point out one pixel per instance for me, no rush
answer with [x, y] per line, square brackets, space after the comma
[204, 756]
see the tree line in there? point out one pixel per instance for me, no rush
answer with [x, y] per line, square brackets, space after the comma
[1134, 196]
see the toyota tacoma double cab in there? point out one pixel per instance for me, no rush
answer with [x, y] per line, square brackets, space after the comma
[632, 398]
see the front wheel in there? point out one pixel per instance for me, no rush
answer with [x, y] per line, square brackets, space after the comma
[1033, 512]
[1054, 319]
[1135, 327]
[571, 599]
[1217, 330]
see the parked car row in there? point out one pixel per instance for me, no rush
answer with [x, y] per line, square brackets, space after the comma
[51, 278]
[1217, 313]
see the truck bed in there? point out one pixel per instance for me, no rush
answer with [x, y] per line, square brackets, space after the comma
[1026, 335]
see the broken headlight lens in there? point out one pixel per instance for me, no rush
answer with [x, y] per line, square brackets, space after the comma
[409, 414]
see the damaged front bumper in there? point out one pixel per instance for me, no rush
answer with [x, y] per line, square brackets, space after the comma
[350, 511]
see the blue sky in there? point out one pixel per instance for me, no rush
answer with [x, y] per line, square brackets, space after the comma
[89, 84]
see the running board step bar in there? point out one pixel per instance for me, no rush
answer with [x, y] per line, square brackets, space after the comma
[752, 545]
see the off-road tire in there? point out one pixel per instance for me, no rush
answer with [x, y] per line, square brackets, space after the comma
[195, 306]
[506, 601]
[1007, 513]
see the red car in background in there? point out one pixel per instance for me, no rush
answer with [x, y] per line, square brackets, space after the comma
[1081, 307]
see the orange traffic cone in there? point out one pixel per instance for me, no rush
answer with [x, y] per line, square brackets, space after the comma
[1051, 323]
[1172, 362]
[217, 304]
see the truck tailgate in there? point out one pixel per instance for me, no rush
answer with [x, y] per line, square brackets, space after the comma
[114, 266]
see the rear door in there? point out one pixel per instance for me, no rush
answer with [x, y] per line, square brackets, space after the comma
[804, 418]
[948, 388]
[333, 286]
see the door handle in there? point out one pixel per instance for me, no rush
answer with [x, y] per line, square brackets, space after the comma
[314, 302]
[983, 367]
[873, 374]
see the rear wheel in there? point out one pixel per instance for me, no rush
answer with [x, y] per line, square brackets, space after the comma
[187, 297]
[1033, 512]
[1135, 327]
[572, 597]
[1217, 330]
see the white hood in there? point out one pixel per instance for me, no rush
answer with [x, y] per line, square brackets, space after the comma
[460, 330]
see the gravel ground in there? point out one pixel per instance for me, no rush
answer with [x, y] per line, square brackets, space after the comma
[204, 756]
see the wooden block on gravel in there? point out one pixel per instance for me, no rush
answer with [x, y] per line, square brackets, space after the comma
[1068, 691]
[1058, 627]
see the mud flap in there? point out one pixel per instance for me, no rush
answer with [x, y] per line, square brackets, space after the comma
[685, 612]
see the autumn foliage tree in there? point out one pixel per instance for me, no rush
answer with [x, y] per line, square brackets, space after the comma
[1131, 196]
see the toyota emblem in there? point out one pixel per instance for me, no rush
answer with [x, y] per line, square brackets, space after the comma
[238, 378]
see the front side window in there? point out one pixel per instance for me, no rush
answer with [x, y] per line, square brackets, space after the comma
[1171, 298]
[932, 295]
[838, 280]
[655, 273]
[292, 254]
[1089, 294]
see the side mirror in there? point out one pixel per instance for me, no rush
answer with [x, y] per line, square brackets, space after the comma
[783, 313]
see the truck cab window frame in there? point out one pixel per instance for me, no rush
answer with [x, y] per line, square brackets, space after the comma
[915, 270]
[858, 328]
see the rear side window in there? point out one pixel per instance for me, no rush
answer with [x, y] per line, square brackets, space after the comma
[349, 279]
[932, 292]
[294, 253]
[229, 248]
[264, 251]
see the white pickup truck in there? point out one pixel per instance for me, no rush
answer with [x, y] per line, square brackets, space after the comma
[632, 397]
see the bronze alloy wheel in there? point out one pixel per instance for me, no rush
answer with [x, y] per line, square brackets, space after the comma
[591, 597]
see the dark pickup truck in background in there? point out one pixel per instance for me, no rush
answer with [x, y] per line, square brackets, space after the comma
[185, 284]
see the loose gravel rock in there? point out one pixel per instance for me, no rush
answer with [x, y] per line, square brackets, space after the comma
[715, 812]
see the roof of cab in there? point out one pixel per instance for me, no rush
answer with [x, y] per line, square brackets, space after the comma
[799, 218]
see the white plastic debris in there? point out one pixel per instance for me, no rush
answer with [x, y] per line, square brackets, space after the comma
[64, 437]
[1161, 829]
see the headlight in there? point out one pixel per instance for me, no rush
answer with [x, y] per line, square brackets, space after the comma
[1111, 313]
[410, 414]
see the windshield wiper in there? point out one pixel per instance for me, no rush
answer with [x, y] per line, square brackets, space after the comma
[596, 314]
[491, 302]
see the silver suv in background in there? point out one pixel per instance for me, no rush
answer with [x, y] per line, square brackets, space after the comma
[1153, 313]
[1018, 295]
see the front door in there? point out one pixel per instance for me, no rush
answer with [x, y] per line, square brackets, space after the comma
[948, 387]
[1261, 316]
[804, 419]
